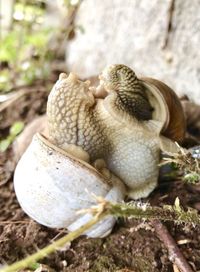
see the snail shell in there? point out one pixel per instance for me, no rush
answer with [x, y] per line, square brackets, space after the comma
[167, 108]
[51, 186]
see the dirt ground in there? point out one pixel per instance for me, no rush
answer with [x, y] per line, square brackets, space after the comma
[132, 246]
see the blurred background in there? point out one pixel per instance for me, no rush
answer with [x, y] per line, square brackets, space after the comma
[40, 39]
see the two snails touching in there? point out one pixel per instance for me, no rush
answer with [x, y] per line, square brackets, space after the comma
[105, 140]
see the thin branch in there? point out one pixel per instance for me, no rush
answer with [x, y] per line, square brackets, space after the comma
[175, 255]
[17, 95]
[14, 222]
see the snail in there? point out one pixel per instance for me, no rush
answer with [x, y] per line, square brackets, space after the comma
[127, 126]
[105, 140]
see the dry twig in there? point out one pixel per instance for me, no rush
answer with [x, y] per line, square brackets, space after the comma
[175, 255]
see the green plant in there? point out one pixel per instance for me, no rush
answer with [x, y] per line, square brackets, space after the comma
[15, 129]
[25, 55]
[186, 163]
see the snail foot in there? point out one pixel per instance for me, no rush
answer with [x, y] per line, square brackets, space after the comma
[142, 191]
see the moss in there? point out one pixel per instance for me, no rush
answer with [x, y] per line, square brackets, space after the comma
[103, 264]
[143, 264]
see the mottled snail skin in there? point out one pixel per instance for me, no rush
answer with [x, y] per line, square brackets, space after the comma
[107, 128]
[73, 120]
[131, 95]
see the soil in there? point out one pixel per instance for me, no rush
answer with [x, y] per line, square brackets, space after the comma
[132, 246]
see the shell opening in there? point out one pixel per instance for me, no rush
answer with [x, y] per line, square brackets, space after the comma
[157, 100]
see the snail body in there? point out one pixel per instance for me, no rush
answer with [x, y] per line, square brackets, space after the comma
[124, 128]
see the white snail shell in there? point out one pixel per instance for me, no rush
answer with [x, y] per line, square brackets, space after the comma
[51, 186]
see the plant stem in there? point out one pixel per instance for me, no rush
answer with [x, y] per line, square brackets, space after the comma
[144, 211]
[52, 247]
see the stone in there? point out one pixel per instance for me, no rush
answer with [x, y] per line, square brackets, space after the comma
[134, 32]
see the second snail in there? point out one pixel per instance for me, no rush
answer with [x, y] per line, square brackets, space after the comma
[112, 135]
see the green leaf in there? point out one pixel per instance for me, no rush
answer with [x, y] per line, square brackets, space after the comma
[4, 144]
[8, 50]
[38, 39]
[192, 177]
[16, 128]
[34, 266]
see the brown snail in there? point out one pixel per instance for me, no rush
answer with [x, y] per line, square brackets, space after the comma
[118, 128]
